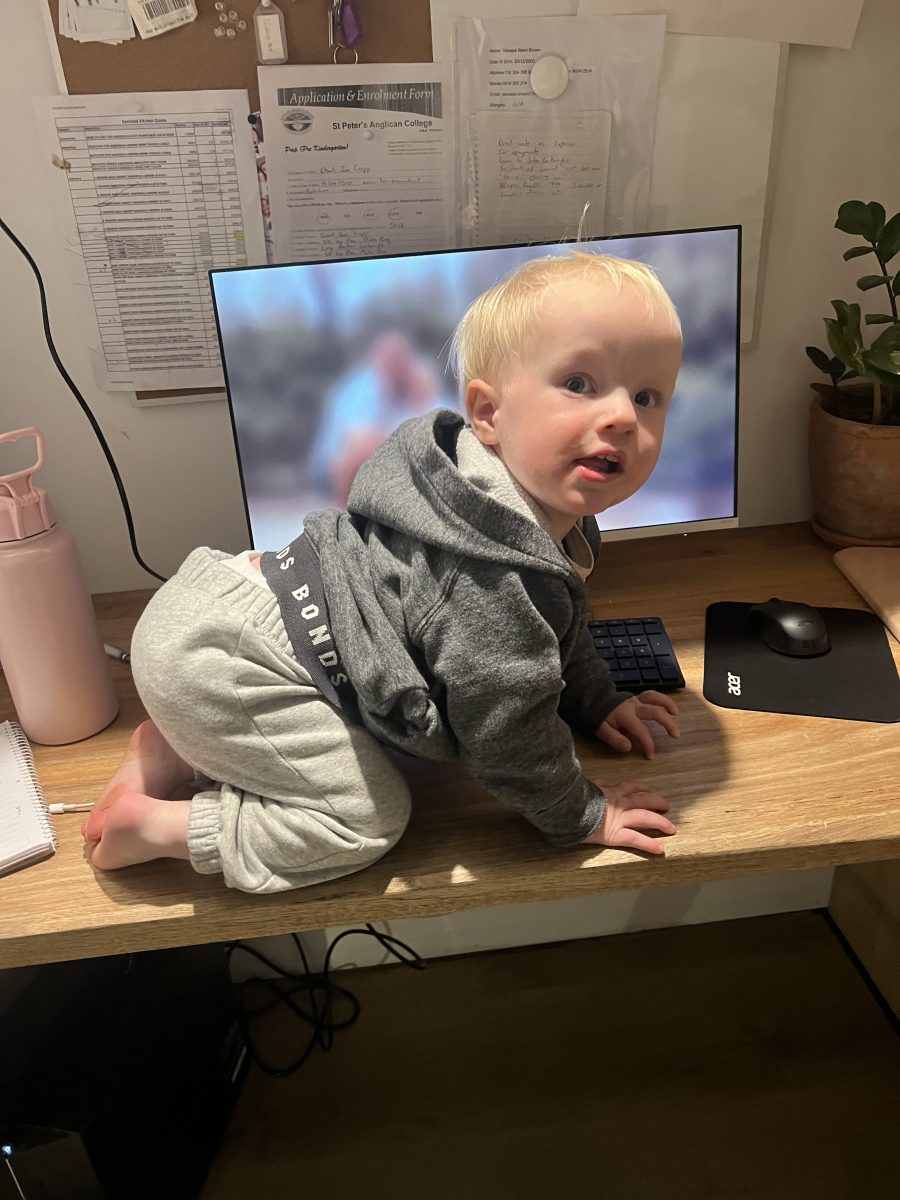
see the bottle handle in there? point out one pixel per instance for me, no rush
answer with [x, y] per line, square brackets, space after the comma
[19, 482]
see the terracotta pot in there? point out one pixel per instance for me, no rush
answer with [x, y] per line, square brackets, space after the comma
[855, 476]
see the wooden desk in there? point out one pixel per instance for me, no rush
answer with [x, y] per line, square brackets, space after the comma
[751, 793]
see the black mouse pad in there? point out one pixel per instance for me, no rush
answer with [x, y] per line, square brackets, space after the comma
[856, 680]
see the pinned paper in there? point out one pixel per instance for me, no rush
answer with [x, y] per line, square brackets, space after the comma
[106, 21]
[152, 190]
[154, 17]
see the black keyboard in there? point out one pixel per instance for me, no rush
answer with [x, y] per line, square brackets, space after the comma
[638, 653]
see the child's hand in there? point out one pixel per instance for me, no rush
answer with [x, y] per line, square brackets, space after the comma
[631, 807]
[624, 727]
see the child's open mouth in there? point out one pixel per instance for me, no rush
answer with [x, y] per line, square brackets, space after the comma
[603, 467]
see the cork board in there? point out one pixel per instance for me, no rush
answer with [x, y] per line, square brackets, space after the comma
[192, 59]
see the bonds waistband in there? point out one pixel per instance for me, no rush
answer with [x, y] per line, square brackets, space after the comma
[294, 575]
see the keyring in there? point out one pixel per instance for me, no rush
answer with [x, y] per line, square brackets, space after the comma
[338, 48]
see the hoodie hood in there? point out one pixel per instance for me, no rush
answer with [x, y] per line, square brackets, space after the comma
[412, 484]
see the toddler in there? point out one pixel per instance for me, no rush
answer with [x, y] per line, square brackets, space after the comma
[443, 615]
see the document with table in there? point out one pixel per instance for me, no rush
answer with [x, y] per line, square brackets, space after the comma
[150, 192]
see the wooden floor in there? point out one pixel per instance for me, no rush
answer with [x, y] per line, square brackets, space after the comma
[743, 1059]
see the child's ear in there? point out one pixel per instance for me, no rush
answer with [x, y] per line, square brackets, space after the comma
[481, 409]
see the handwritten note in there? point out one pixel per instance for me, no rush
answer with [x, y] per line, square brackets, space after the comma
[534, 176]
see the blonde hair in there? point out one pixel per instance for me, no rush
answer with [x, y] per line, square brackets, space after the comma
[495, 327]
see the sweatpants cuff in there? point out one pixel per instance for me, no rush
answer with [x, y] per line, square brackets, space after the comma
[204, 831]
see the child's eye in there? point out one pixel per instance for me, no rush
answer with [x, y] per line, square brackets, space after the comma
[646, 399]
[579, 384]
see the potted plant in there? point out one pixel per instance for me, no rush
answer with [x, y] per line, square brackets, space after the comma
[854, 432]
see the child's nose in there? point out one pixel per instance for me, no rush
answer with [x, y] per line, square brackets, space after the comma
[617, 410]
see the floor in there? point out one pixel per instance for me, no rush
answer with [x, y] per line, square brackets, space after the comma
[744, 1059]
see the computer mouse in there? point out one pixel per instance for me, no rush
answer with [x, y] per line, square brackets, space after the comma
[789, 627]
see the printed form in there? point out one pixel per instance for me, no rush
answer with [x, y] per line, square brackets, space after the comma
[556, 124]
[151, 191]
[358, 160]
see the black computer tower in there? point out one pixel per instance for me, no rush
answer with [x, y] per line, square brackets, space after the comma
[126, 1067]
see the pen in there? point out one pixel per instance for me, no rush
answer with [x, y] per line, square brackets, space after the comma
[55, 809]
[117, 652]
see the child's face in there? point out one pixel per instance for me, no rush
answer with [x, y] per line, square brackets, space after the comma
[578, 418]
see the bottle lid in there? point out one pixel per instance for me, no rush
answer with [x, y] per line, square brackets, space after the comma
[24, 510]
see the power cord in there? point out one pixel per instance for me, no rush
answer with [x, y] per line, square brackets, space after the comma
[81, 400]
[319, 990]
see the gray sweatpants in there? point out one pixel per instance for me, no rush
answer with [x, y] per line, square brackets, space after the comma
[300, 795]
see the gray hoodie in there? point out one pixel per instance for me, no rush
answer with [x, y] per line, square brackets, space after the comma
[462, 628]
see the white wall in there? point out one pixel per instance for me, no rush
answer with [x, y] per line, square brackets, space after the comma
[839, 132]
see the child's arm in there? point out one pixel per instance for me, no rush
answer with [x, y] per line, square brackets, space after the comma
[631, 808]
[625, 726]
[502, 685]
[590, 694]
[592, 705]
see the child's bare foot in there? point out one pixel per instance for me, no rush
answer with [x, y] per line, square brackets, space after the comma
[150, 767]
[138, 828]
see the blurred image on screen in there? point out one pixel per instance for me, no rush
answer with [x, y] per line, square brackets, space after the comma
[324, 360]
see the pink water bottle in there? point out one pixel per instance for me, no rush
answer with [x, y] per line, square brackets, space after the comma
[50, 648]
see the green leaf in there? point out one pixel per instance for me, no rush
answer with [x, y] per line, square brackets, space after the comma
[896, 285]
[876, 211]
[855, 217]
[889, 242]
[870, 281]
[856, 251]
[840, 345]
[832, 367]
[889, 340]
[849, 325]
[848, 318]
[887, 361]
[841, 309]
[885, 378]
[819, 359]
[879, 319]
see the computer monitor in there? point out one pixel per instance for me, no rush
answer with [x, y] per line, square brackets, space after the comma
[323, 359]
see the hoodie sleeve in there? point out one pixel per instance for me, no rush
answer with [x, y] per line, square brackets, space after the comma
[502, 684]
[590, 694]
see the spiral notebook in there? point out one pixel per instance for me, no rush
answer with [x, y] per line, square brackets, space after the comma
[26, 829]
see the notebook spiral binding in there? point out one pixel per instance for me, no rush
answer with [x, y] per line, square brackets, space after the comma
[25, 760]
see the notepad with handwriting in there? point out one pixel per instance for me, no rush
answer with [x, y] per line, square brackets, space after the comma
[26, 829]
[532, 175]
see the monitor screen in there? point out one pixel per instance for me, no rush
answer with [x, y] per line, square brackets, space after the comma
[323, 360]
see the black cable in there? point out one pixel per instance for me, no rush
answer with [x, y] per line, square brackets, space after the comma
[861, 969]
[320, 992]
[81, 400]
